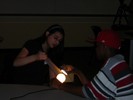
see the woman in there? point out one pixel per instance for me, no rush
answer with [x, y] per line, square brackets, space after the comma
[30, 66]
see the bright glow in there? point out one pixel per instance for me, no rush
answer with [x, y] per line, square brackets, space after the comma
[61, 77]
[64, 72]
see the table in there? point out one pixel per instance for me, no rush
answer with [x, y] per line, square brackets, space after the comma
[33, 92]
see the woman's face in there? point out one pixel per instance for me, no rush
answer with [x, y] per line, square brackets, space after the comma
[53, 40]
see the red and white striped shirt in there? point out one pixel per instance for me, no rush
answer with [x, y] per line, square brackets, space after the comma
[113, 81]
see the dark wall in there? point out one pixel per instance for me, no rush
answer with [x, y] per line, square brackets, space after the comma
[58, 6]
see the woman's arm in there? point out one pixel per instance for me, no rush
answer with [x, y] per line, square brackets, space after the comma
[23, 58]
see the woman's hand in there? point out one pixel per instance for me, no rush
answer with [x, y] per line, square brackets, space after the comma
[41, 55]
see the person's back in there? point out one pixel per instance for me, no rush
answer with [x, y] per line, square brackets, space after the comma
[114, 80]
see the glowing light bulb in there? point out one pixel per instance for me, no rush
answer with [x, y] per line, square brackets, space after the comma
[61, 77]
[64, 72]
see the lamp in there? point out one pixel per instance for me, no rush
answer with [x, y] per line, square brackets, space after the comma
[61, 74]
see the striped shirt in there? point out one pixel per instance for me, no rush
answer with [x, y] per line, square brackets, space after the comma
[114, 81]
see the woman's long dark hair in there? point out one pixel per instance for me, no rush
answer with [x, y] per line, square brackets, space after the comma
[52, 29]
[59, 50]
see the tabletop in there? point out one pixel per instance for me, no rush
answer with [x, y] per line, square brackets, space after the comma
[33, 92]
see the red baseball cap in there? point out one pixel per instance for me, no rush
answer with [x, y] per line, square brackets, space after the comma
[109, 38]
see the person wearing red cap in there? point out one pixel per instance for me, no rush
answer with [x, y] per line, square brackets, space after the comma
[113, 81]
